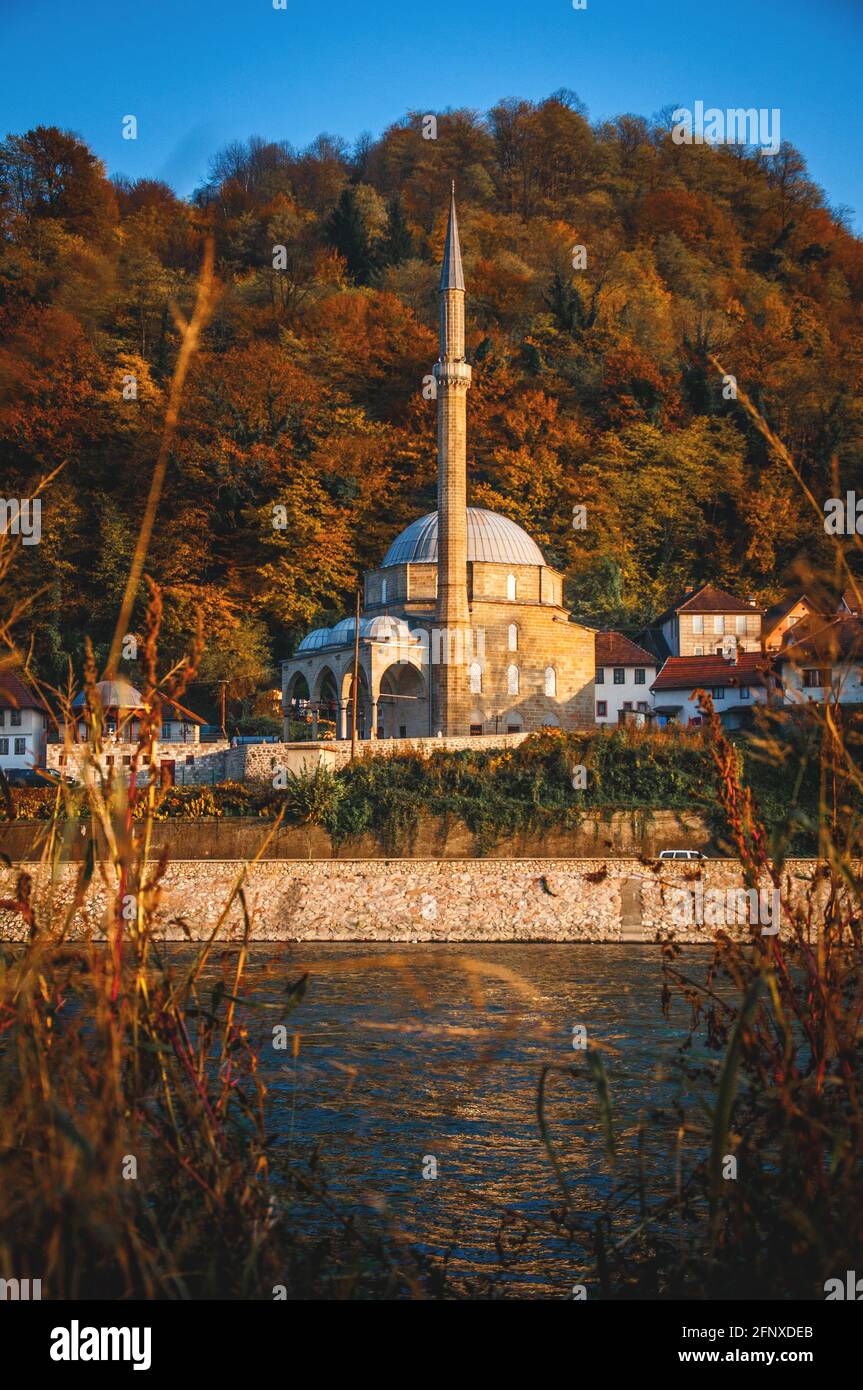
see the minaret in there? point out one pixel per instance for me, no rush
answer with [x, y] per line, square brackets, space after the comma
[453, 374]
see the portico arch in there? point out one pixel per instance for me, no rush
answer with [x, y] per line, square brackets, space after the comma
[365, 708]
[325, 702]
[403, 702]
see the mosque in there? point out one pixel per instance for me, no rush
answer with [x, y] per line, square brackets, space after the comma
[463, 629]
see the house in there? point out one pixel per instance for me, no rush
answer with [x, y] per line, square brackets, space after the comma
[23, 724]
[123, 711]
[704, 621]
[624, 672]
[823, 658]
[784, 615]
[736, 684]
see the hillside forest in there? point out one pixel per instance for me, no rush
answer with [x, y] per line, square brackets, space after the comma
[592, 381]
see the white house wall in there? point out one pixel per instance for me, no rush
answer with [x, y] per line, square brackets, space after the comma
[32, 731]
[617, 695]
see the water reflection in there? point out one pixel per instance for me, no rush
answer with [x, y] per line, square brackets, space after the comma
[410, 1054]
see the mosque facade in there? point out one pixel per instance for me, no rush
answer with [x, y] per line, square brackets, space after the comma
[463, 628]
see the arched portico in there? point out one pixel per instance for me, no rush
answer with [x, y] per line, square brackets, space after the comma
[403, 702]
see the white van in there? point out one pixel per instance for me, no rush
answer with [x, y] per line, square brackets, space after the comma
[681, 854]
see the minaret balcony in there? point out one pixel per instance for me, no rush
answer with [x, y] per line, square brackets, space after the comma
[452, 372]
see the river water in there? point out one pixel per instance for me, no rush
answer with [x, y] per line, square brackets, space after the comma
[411, 1073]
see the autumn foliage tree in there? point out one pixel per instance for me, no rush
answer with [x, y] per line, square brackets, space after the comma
[306, 439]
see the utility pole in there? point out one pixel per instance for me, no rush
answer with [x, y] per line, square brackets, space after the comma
[222, 685]
[355, 685]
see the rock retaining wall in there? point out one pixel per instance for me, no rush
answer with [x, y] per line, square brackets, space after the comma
[410, 900]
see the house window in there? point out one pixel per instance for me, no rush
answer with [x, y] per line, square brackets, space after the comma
[166, 731]
[740, 624]
[190, 760]
[719, 624]
[639, 675]
[2, 718]
[20, 745]
[109, 761]
[718, 692]
[697, 622]
[475, 729]
[4, 746]
[383, 591]
[513, 728]
[816, 680]
[699, 651]
[619, 675]
[550, 681]
[512, 680]
[601, 709]
[642, 705]
[599, 678]
[127, 759]
[15, 718]
[512, 637]
[744, 692]
[475, 677]
[511, 586]
[627, 704]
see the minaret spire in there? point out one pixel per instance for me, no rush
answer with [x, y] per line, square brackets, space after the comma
[451, 273]
[452, 374]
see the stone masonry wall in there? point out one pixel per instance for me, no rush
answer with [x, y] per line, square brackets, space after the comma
[403, 900]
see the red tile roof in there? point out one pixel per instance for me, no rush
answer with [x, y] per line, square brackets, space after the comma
[613, 649]
[14, 694]
[708, 599]
[692, 672]
[851, 601]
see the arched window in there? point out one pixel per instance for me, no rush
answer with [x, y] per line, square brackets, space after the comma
[511, 586]
[512, 637]
[512, 680]
[550, 681]
[383, 591]
[475, 678]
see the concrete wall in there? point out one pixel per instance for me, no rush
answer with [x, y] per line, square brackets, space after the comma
[405, 900]
[623, 834]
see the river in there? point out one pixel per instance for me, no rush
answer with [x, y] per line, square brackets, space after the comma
[412, 1072]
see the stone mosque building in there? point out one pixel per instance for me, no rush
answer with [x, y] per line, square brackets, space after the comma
[463, 629]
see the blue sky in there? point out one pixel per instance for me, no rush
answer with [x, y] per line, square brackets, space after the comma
[198, 73]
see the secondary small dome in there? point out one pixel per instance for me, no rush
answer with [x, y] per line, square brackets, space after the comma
[116, 694]
[492, 538]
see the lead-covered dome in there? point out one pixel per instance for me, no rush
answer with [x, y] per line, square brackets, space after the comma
[115, 694]
[490, 537]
